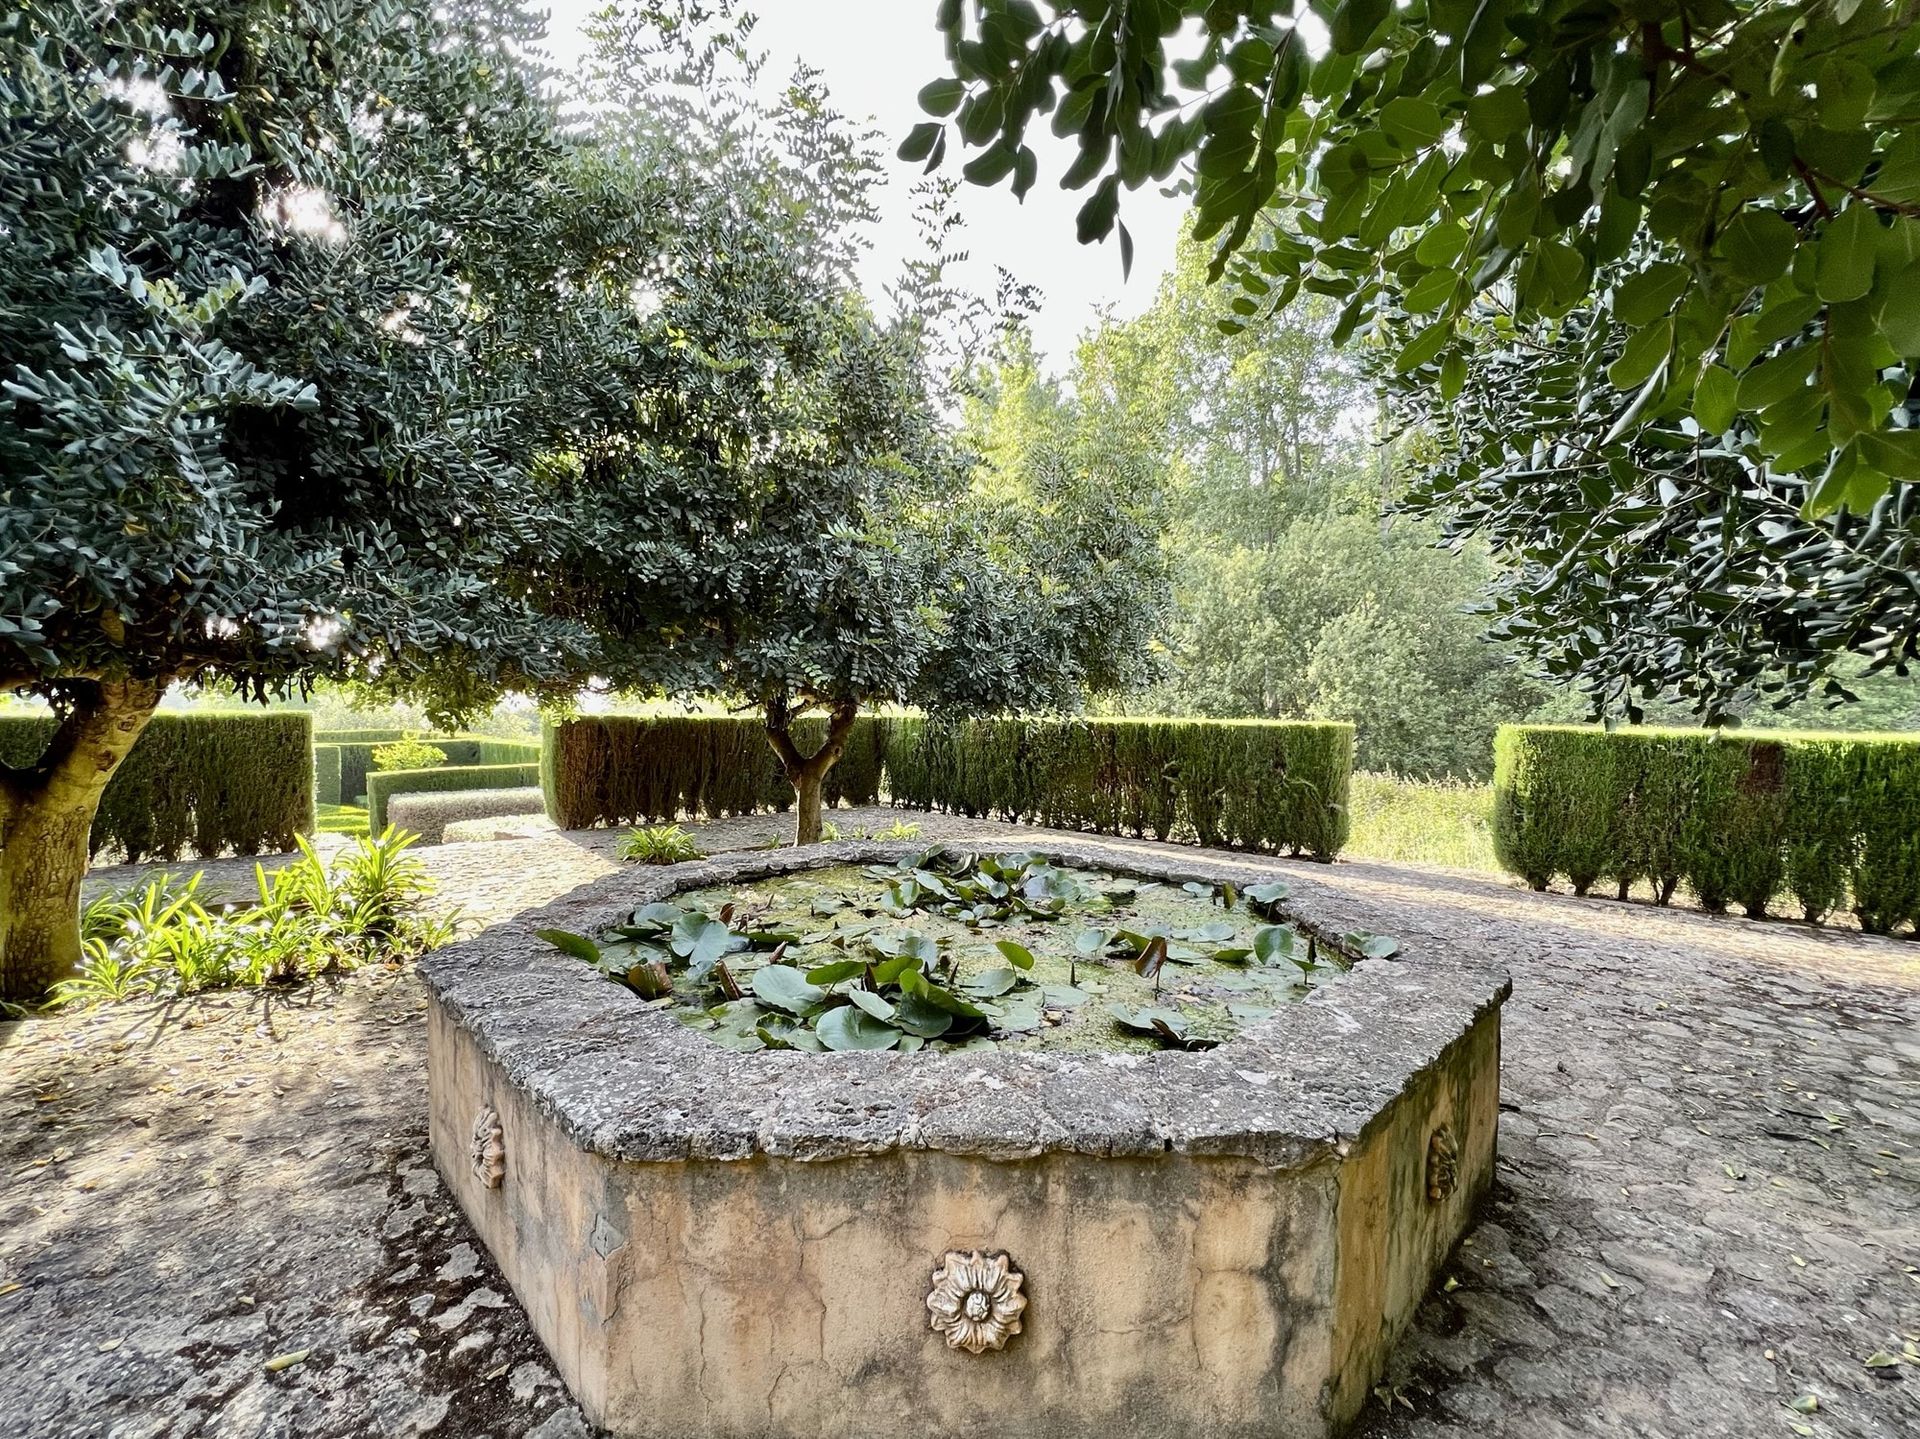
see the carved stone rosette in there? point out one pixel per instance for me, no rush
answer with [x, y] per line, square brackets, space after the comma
[1443, 1164]
[488, 1149]
[976, 1300]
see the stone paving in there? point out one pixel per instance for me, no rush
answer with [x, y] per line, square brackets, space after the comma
[219, 1218]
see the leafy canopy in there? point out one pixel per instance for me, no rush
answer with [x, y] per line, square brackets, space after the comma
[1730, 188]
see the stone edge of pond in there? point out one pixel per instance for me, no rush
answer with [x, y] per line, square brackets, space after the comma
[635, 1084]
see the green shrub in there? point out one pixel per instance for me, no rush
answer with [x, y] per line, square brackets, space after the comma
[205, 782]
[159, 939]
[658, 844]
[624, 769]
[326, 775]
[1412, 821]
[408, 753]
[1740, 818]
[1253, 784]
[385, 784]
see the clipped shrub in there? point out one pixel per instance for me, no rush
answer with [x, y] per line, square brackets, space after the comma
[383, 785]
[431, 815]
[1252, 784]
[408, 753]
[628, 769]
[204, 782]
[326, 774]
[1739, 817]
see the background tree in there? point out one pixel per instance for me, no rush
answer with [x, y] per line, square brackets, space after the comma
[1294, 598]
[831, 552]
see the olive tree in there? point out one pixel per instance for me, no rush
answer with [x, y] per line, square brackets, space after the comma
[825, 548]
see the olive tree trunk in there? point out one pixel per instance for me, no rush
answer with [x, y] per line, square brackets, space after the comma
[46, 814]
[808, 773]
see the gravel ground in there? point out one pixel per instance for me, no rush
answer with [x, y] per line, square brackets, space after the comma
[219, 1217]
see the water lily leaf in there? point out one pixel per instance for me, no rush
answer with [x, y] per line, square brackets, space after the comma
[851, 1028]
[1018, 955]
[771, 938]
[944, 998]
[1273, 942]
[1091, 941]
[835, 971]
[784, 987]
[1064, 996]
[1373, 946]
[872, 1003]
[894, 971]
[993, 982]
[567, 942]
[1152, 957]
[1268, 894]
[700, 941]
[659, 915]
[1249, 1013]
[1219, 929]
[1234, 955]
[1150, 1019]
[1020, 1017]
[921, 1017]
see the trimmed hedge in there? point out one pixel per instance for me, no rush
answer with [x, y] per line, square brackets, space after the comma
[1739, 817]
[326, 774]
[383, 785]
[428, 815]
[356, 748]
[1256, 784]
[206, 782]
[623, 769]
[1251, 784]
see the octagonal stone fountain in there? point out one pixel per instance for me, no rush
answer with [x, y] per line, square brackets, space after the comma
[724, 1245]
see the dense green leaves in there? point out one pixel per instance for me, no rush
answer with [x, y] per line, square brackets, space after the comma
[1758, 152]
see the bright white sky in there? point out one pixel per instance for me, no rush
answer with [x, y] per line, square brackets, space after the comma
[874, 56]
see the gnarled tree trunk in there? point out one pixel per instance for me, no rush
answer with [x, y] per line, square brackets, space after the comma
[808, 773]
[46, 813]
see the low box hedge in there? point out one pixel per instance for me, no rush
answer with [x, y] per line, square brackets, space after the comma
[624, 769]
[356, 747]
[1739, 817]
[1252, 784]
[205, 782]
[429, 815]
[383, 785]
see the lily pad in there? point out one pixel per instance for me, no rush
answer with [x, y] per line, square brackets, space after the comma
[849, 1027]
[784, 987]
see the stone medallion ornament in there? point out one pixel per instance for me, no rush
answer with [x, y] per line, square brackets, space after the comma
[976, 1300]
[1443, 1164]
[488, 1151]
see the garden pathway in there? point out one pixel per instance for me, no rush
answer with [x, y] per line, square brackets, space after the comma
[1707, 1207]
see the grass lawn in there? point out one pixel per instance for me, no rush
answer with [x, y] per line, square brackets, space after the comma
[345, 819]
[1416, 822]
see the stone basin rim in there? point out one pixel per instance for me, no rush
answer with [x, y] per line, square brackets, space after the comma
[635, 1084]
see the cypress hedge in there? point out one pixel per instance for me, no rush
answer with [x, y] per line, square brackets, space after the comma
[326, 774]
[383, 785]
[1255, 784]
[1251, 784]
[205, 782]
[1739, 817]
[624, 769]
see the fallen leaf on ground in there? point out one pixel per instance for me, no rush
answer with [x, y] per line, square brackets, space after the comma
[287, 1360]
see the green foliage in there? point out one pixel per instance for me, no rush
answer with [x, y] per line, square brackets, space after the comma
[1827, 819]
[205, 782]
[344, 819]
[1667, 566]
[411, 752]
[1272, 785]
[1729, 188]
[658, 844]
[616, 769]
[384, 785]
[160, 940]
[326, 775]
